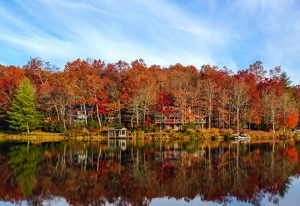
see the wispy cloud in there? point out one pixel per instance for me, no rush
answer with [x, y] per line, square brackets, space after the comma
[233, 33]
[155, 30]
[279, 25]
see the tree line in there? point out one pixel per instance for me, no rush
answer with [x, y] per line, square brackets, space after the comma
[130, 93]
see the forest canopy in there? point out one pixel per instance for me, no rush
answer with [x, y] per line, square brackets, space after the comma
[94, 93]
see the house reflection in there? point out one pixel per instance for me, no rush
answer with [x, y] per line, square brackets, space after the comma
[117, 143]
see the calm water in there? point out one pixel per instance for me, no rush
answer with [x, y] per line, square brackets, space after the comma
[153, 173]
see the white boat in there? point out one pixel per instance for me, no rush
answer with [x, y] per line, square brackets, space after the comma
[242, 137]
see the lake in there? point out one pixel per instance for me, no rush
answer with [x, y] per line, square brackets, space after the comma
[150, 173]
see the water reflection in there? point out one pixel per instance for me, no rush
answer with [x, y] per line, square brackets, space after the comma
[141, 173]
[24, 161]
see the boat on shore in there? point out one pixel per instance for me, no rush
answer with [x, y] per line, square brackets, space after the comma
[242, 136]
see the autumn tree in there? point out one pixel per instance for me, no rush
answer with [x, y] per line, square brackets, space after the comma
[252, 77]
[270, 90]
[77, 76]
[296, 94]
[60, 98]
[182, 84]
[40, 74]
[10, 78]
[270, 104]
[221, 104]
[148, 94]
[98, 95]
[208, 89]
[239, 98]
[288, 111]
[115, 89]
[136, 89]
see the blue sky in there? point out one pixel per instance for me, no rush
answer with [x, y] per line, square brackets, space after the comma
[234, 33]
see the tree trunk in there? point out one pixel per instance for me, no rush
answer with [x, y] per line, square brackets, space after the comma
[85, 114]
[284, 121]
[64, 123]
[137, 117]
[98, 116]
[27, 127]
[238, 120]
[144, 116]
[119, 111]
[85, 160]
[209, 110]
[57, 112]
[70, 116]
[71, 158]
[273, 120]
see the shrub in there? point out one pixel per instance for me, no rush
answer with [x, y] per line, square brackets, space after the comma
[175, 135]
[227, 133]
[149, 128]
[191, 133]
[208, 134]
[92, 125]
[77, 126]
[189, 125]
[53, 127]
[214, 132]
[157, 135]
[70, 133]
[114, 124]
[168, 129]
[85, 132]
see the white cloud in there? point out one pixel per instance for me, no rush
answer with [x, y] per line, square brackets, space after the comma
[231, 33]
[168, 30]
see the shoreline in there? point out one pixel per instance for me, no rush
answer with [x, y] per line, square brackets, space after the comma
[40, 137]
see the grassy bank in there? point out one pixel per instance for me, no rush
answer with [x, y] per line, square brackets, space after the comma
[40, 136]
[186, 135]
[214, 134]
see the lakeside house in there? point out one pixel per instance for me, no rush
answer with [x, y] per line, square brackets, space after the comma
[170, 117]
[175, 118]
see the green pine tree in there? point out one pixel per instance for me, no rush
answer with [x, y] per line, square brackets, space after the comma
[286, 80]
[23, 115]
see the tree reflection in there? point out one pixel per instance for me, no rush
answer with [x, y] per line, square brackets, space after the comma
[24, 161]
[93, 174]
